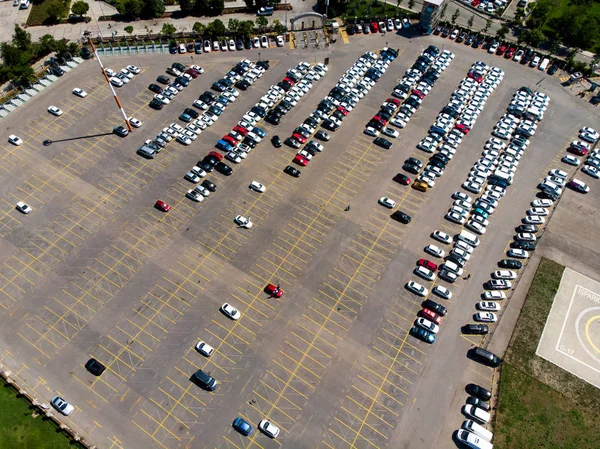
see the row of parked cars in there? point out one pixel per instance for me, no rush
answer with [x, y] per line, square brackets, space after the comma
[378, 26]
[239, 44]
[454, 121]
[583, 147]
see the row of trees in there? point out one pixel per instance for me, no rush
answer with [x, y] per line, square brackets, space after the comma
[243, 29]
[20, 53]
[142, 9]
[150, 9]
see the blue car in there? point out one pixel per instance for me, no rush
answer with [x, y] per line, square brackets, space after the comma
[259, 132]
[185, 118]
[223, 146]
[243, 426]
[215, 110]
[422, 334]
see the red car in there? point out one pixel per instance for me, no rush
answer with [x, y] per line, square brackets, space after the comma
[475, 76]
[299, 137]
[343, 110]
[463, 128]
[161, 205]
[274, 291]
[395, 100]
[240, 129]
[230, 140]
[510, 53]
[301, 160]
[290, 81]
[216, 154]
[374, 27]
[501, 50]
[418, 93]
[579, 151]
[402, 179]
[427, 264]
[431, 316]
[192, 73]
[379, 119]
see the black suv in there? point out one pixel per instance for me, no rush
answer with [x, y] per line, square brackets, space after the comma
[475, 329]
[435, 307]
[486, 357]
[204, 380]
[401, 217]
[292, 171]
[479, 392]
[155, 88]
[95, 367]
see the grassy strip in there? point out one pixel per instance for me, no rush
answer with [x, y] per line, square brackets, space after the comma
[540, 404]
[39, 12]
[20, 430]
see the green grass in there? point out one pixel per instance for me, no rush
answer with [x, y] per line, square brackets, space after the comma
[20, 430]
[39, 12]
[541, 405]
[362, 9]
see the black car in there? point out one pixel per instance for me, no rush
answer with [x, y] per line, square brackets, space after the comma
[173, 48]
[218, 87]
[293, 143]
[192, 113]
[485, 357]
[205, 166]
[411, 168]
[276, 141]
[434, 162]
[208, 97]
[242, 85]
[273, 118]
[121, 131]
[351, 30]
[85, 53]
[179, 66]
[527, 246]
[250, 142]
[163, 79]
[461, 262]
[155, 88]
[239, 45]
[210, 159]
[183, 81]
[223, 168]
[328, 124]
[248, 44]
[475, 329]
[198, 48]
[435, 307]
[264, 63]
[322, 135]
[528, 228]
[204, 380]
[470, 39]
[446, 32]
[375, 124]
[209, 185]
[95, 367]
[401, 217]
[259, 111]
[461, 37]
[472, 400]
[292, 171]
[383, 143]
[156, 104]
[510, 263]
[553, 69]
[479, 392]
[437, 30]
[55, 70]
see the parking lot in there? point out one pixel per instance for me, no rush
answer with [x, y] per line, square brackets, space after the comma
[96, 271]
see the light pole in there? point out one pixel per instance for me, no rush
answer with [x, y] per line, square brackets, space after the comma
[259, 55]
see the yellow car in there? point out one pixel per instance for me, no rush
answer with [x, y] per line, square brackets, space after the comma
[420, 185]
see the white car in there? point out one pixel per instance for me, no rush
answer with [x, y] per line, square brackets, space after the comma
[264, 42]
[204, 348]
[435, 251]
[371, 131]
[526, 237]
[534, 219]
[24, 208]
[230, 311]
[456, 217]
[488, 306]
[442, 292]
[517, 253]
[55, 111]
[539, 211]
[192, 177]
[441, 237]
[591, 133]
[62, 406]
[476, 227]
[542, 203]
[14, 140]
[268, 428]
[184, 140]
[133, 69]
[425, 273]
[462, 197]
[390, 132]
[386, 202]
[135, 122]
[417, 288]
[591, 171]
[243, 222]
[233, 157]
[116, 81]
[427, 325]
[80, 92]
[504, 274]
[194, 195]
[486, 317]
[280, 41]
[257, 187]
[162, 99]
[494, 295]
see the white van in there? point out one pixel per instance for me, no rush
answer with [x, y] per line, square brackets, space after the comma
[469, 237]
[478, 430]
[544, 65]
[473, 441]
[478, 414]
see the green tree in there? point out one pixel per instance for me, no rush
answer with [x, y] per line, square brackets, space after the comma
[399, 2]
[131, 9]
[411, 4]
[186, 6]
[470, 21]
[128, 29]
[216, 7]
[443, 11]
[488, 24]
[45, 45]
[13, 56]
[61, 48]
[249, 4]
[262, 22]
[199, 28]
[533, 37]
[216, 29]
[201, 7]
[21, 38]
[519, 16]
[168, 29]
[502, 31]
[233, 25]
[246, 28]
[55, 10]
[455, 16]
[23, 74]
[80, 8]
[578, 28]
[151, 9]
[278, 27]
